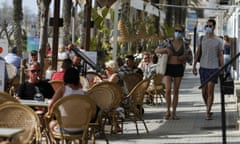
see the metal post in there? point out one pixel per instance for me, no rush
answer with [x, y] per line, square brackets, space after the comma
[223, 113]
[55, 34]
[88, 11]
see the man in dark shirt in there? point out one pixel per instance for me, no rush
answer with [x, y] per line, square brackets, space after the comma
[77, 62]
[34, 88]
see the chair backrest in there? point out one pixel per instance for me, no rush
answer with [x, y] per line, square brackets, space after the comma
[15, 115]
[138, 92]
[56, 84]
[6, 98]
[11, 71]
[74, 111]
[104, 97]
[91, 76]
[84, 82]
[157, 79]
[116, 89]
[131, 80]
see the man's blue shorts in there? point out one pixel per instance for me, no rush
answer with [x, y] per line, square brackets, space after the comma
[206, 73]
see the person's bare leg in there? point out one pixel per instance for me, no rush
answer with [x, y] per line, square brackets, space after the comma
[168, 81]
[177, 82]
[210, 99]
[204, 94]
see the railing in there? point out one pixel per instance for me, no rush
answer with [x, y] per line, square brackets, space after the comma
[223, 86]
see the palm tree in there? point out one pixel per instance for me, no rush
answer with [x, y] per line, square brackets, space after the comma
[67, 5]
[18, 17]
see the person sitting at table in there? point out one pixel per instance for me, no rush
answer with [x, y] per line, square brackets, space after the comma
[34, 88]
[71, 86]
[113, 76]
[66, 64]
[129, 67]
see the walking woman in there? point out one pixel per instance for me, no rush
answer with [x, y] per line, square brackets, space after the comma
[174, 71]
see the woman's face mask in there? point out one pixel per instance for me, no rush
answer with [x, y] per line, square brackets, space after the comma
[178, 35]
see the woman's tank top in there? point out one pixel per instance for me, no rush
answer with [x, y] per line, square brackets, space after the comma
[179, 52]
[69, 91]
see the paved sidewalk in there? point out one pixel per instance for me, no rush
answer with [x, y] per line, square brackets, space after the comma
[192, 126]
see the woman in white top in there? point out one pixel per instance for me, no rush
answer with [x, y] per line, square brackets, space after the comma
[71, 85]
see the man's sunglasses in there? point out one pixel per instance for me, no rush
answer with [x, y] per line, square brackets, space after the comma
[35, 71]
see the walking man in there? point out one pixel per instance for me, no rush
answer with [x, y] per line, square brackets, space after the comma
[211, 59]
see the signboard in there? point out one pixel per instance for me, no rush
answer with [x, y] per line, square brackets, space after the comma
[32, 43]
[191, 21]
[3, 47]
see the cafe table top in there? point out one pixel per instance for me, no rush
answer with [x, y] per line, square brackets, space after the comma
[34, 103]
[10, 132]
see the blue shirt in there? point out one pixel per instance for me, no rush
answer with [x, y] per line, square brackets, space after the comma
[13, 59]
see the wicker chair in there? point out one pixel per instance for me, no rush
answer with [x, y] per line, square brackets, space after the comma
[156, 89]
[105, 99]
[6, 98]
[15, 115]
[73, 111]
[56, 84]
[91, 76]
[134, 104]
[11, 80]
[84, 82]
[118, 96]
[131, 80]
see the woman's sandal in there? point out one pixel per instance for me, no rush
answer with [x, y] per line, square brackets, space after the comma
[208, 117]
[167, 116]
[174, 117]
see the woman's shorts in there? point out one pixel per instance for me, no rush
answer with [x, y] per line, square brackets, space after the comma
[174, 70]
[205, 74]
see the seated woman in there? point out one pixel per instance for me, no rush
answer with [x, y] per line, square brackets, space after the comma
[71, 86]
[112, 76]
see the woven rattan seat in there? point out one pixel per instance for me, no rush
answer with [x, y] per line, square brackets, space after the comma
[105, 99]
[156, 88]
[6, 98]
[134, 108]
[93, 76]
[73, 111]
[118, 93]
[15, 115]
[84, 82]
[131, 80]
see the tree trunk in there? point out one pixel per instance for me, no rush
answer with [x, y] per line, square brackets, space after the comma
[87, 13]
[18, 17]
[67, 6]
[44, 10]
